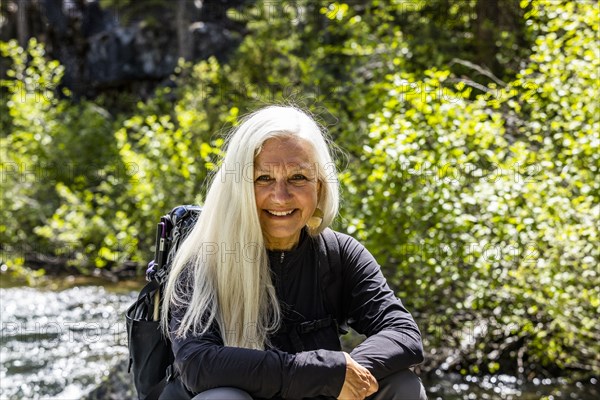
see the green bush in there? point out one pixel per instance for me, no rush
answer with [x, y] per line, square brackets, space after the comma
[492, 203]
[57, 153]
[83, 187]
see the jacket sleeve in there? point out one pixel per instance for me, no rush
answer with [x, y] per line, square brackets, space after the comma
[393, 338]
[204, 363]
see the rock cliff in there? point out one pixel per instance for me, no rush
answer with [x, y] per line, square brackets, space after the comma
[124, 45]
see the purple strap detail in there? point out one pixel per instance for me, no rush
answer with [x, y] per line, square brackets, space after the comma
[150, 271]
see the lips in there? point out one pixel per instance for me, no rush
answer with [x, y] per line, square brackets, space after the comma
[280, 213]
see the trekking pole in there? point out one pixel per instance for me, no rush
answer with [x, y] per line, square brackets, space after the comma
[161, 258]
[156, 302]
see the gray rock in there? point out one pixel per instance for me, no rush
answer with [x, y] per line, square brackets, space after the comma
[118, 385]
[135, 46]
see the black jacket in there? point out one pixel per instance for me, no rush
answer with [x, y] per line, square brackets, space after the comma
[393, 339]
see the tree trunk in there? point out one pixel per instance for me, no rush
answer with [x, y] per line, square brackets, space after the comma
[22, 22]
[486, 24]
[183, 34]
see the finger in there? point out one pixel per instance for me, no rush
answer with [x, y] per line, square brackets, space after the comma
[364, 389]
[356, 394]
[370, 392]
[368, 378]
[373, 386]
[371, 389]
[372, 378]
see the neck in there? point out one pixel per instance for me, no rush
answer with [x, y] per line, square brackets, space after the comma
[282, 244]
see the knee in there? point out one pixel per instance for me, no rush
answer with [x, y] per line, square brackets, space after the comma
[223, 393]
[403, 385]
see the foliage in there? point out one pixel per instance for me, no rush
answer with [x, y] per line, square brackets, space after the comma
[493, 202]
[476, 191]
[55, 147]
[82, 187]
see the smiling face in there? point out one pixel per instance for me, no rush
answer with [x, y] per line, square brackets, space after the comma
[286, 190]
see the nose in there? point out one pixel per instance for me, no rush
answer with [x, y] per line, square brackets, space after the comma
[280, 193]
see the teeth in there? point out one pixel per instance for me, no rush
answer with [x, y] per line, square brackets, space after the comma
[280, 213]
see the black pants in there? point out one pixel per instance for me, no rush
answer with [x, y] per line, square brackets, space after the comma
[403, 385]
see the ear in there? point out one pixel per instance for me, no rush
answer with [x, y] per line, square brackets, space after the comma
[319, 191]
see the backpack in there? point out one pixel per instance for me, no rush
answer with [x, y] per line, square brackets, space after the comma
[150, 354]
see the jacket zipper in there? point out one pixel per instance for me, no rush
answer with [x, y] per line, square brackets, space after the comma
[281, 258]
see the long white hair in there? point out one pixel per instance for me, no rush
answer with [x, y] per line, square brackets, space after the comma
[221, 271]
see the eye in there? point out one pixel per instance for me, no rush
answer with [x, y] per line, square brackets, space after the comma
[263, 179]
[298, 180]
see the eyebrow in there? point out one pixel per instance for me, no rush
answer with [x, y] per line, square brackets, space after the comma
[268, 167]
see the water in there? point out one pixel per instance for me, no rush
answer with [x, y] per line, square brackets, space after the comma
[452, 386]
[59, 344]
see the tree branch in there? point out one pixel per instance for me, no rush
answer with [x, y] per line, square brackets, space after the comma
[482, 70]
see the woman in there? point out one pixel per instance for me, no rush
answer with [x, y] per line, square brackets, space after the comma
[247, 276]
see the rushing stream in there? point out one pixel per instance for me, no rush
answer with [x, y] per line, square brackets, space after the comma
[59, 344]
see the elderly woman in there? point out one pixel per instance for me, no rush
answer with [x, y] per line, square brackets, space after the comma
[248, 275]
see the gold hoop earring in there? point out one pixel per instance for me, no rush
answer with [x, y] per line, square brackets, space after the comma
[315, 221]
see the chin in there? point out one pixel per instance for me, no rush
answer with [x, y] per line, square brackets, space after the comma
[277, 234]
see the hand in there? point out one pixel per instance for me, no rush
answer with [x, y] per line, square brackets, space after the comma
[359, 383]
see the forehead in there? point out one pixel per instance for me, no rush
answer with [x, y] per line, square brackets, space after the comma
[285, 151]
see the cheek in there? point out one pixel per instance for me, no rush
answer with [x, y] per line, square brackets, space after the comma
[311, 197]
[259, 196]
[315, 197]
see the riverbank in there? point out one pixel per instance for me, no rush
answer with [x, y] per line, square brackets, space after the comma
[118, 385]
[66, 340]
[440, 386]
[62, 343]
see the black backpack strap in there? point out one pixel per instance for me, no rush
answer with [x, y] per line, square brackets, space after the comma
[296, 331]
[154, 394]
[157, 390]
[329, 279]
[137, 311]
[330, 269]
[150, 353]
